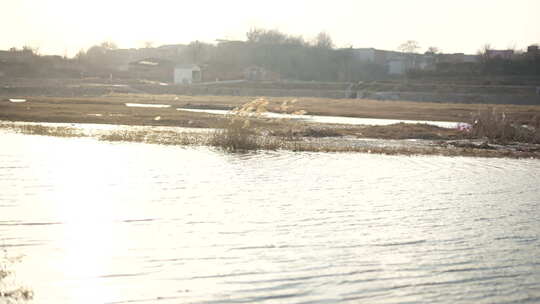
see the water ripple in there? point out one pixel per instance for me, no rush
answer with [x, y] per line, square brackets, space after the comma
[147, 223]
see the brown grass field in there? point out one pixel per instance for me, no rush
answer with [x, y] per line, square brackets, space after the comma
[112, 110]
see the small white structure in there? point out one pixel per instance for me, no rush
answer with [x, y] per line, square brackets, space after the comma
[187, 73]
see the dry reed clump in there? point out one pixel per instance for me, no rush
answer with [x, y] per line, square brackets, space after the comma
[235, 137]
[295, 132]
[410, 131]
[157, 137]
[239, 135]
[497, 127]
[8, 293]
[45, 130]
[124, 135]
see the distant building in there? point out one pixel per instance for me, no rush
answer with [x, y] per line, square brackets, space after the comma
[187, 73]
[503, 54]
[123, 58]
[533, 50]
[170, 51]
[257, 73]
[396, 63]
[374, 56]
[397, 67]
[457, 58]
[364, 54]
[18, 56]
[165, 70]
[4, 55]
[152, 69]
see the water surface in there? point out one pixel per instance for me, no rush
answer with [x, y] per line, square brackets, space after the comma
[338, 119]
[102, 222]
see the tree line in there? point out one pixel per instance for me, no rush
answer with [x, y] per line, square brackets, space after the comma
[292, 57]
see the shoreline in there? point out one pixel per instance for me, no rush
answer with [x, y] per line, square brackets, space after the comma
[267, 133]
[205, 137]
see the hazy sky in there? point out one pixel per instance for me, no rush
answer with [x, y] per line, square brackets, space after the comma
[66, 26]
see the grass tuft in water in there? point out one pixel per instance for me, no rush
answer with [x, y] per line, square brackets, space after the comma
[157, 137]
[45, 130]
[241, 135]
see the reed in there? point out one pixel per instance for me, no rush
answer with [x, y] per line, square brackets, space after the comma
[9, 293]
[254, 134]
[239, 134]
[496, 127]
[44, 130]
[156, 137]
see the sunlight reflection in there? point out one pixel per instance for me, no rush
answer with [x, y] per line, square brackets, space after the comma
[85, 203]
[131, 223]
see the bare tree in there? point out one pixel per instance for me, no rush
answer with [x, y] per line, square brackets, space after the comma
[483, 52]
[148, 44]
[433, 50]
[409, 46]
[263, 36]
[81, 54]
[257, 35]
[512, 46]
[109, 45]
[323, 41]
[30, 49]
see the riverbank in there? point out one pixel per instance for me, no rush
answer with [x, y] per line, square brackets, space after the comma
[251, 140]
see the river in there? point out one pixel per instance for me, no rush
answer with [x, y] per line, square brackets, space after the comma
[99, 222]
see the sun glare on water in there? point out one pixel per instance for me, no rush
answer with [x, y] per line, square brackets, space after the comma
[88, 240]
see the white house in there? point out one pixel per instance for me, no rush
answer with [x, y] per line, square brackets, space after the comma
[187, 73]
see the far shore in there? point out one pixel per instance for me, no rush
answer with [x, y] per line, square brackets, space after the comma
[111, 109]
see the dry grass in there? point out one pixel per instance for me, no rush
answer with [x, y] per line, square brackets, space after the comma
[497, 127]
[410, 131]
[247, 131]
[8, 293]
[76, 109]
[298, 131]
[238, 139]
[367, 108]
[235, 138]
[44, 130]
[17, 295]
[239, 134]
[157, 137]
